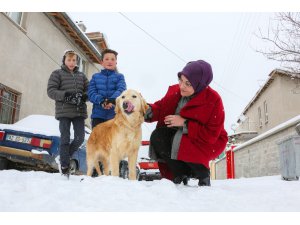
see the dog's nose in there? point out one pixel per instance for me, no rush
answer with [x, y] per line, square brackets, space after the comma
[125, 105]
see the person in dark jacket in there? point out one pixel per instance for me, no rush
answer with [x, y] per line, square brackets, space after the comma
[68, 87]
[105, 87]
[190, 130]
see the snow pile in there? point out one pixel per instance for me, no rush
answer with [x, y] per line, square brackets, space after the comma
[41, 191]
[40, 124]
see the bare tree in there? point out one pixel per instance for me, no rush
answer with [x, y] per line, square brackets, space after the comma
[284, 36]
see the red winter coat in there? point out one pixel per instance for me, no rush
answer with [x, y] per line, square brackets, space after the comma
[206, 138]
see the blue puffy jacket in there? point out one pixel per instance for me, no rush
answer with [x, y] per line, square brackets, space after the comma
[108, 84]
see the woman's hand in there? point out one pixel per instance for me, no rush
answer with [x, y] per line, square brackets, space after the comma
[174, 121]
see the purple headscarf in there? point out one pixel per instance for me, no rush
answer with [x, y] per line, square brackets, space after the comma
[198, 73]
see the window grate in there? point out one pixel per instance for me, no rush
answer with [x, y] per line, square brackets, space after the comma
[9, 105]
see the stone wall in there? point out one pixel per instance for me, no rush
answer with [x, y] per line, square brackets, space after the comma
[259, 156]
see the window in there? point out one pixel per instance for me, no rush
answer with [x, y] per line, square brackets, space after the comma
[15, 16]
[259, 117]
[266, 112]
[9, 105]
[82, 66]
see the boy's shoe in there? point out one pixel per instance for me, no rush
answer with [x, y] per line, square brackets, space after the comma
[204, 182]
[57, 160]
[65, 171]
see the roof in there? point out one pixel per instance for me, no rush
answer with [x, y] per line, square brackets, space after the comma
[242, 136]
[79, 37]
[98, 38]
[272, 76]
[291, 122]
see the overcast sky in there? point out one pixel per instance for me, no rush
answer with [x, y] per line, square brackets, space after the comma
[225, 40]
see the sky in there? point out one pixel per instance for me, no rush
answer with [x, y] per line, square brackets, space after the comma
[154, 47]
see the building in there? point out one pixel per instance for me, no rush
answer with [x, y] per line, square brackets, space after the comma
[32, 45]
[274, 103]
[270, 117]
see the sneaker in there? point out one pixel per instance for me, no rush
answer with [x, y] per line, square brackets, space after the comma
[204, 182]
[57, 160]
[65, 171]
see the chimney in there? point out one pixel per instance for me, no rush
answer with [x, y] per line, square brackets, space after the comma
[81, 25]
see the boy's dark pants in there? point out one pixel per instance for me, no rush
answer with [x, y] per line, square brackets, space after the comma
[161, 140]
[66, 148]
[96, 121]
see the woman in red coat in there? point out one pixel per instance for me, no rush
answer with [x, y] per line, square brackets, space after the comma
[190, 126]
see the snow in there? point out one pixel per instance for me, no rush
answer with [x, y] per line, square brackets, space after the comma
[39, 124]
[32, 191]
[43, 192]
[36, 151]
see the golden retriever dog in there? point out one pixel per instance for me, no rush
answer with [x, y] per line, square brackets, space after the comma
[118, 138]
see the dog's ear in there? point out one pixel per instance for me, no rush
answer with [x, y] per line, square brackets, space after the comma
[145, 106]
[117, 108]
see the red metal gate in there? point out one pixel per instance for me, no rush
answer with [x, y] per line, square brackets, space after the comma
[230, 163]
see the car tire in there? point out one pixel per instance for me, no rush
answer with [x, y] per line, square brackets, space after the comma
[3, 163]
[73, 167]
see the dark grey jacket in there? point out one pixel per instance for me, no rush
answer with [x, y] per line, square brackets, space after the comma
[62, 81]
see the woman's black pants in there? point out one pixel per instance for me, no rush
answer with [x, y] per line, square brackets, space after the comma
[161, 141]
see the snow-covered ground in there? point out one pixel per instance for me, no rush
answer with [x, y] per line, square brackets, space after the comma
[41, 191]
[46, 192]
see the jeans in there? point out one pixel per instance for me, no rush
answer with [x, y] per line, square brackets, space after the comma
[67, 149]
[96, 121]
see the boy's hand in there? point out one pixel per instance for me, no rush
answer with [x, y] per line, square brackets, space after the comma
[103, 104]
[108, 106]
[108, 103]
[112, 101]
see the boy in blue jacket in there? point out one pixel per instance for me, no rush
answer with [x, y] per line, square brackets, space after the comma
[105, 87]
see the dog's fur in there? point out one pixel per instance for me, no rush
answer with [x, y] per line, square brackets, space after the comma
[118, 138]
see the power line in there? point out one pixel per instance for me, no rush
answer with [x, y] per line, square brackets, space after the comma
[173, 53]
[152, 37]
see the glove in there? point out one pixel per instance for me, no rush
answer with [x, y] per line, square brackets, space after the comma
[79, 100]
[84, 97]
[107, 101]
[74, 98]
[112, 101]
[103, 103]
[70, 97]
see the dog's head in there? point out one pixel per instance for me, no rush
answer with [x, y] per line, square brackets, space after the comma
[131, 101]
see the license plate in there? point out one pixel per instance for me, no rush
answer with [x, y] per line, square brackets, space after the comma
[19, 139]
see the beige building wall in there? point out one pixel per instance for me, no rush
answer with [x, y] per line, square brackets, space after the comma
[260, 155]
[29, 55]
[282, 99]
